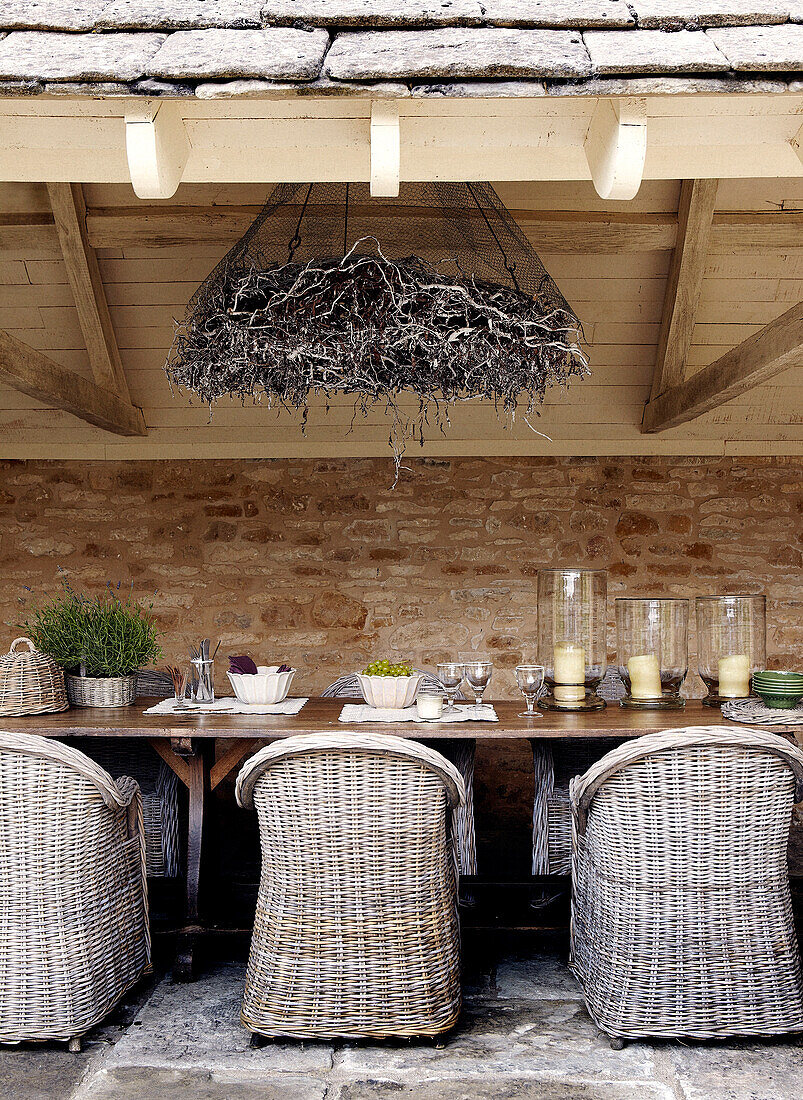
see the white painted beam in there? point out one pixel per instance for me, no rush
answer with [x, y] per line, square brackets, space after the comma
[385, 149]
[157, 148]
[616, 147]
[797, 143]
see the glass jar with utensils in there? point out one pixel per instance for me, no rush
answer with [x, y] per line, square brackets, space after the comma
[451, 674]
[530, 679]
[203, 665]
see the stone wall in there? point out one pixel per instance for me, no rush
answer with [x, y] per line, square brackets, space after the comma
[322, 564]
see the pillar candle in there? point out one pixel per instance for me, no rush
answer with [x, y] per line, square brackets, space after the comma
[569, 661]
[734, 676]
[645, 676]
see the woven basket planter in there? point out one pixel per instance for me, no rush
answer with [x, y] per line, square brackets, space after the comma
[101, 691]
[30, 683]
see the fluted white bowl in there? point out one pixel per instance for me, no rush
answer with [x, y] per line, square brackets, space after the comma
[263, 687]
[392, 692]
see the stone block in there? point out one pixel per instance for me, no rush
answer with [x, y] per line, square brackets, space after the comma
[454, 52]
[761, 48]
[49, 15]
[280, 53]
[653, 52]
[175, 15]
[558, 13]
[35, 55]
[373, 13]
[674, 14]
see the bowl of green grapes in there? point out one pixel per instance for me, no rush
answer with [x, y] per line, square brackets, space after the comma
[389, 686]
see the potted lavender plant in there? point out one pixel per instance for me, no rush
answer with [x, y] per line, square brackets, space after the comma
[100, 641]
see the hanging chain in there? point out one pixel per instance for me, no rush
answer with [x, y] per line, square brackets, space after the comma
[296, 238]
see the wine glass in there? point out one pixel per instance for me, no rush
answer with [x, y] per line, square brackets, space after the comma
[451, 676]
[530, 679]
[478, 675]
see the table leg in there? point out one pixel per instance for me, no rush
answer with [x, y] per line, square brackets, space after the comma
[185, 964]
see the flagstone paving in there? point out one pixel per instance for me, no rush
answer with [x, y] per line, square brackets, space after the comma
[524, 1035]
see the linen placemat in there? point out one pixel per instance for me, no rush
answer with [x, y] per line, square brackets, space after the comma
[361, 712]
[226, 705]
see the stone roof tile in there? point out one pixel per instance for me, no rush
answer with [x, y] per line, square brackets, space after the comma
[674, 14]
[174, 15]
[279, 53]
[51, 56]
[653, 52]
[373, 13]
[453, 52]
[558, 13]
[51, 15]
[761, 49]
[473, 89]
[664, 85]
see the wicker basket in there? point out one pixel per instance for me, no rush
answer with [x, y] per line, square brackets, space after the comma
[30, 683]
[101, 691]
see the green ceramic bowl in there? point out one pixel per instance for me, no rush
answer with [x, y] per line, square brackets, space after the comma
[768, 677]
[783, 700]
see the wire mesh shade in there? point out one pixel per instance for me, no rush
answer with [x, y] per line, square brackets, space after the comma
[436, 293]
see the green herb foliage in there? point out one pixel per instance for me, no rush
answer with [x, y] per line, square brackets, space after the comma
[105, 635]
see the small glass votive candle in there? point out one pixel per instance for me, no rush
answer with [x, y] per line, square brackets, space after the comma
[731, 644]
[572, 636]
[653, 650]
[429, 705]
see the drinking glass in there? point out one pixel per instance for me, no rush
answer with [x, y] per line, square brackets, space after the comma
[451, 676]
[478, 675]
[181, 681]
[530, 679]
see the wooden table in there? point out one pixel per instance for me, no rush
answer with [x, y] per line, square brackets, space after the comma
[204, 750]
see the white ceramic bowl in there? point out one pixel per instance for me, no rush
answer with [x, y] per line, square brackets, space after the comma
[393, 692]
[266, 686]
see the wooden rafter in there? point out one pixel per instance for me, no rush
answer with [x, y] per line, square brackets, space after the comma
[773, 349]
[684, 282]
[566, 231]
[28, 370]
[83, 273]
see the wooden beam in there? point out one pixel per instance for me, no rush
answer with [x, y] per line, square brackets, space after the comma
[565, 231]
[684, 282]
[773, 349]
[157, 149]
[616, 147]
[69, 213]
[26, 369]
[385, 149]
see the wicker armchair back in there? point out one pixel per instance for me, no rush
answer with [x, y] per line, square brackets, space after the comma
[356, 930]
[681, 911]
[74, 922]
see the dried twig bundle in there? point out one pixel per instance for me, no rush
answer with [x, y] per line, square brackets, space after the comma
[374, 327]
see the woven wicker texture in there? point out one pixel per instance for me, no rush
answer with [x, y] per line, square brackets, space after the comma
[157, 783]
[30, 682]
[73, 898]
[461, 753]
[356, 930]
[554, 767]
[681, 910]
[101, 691]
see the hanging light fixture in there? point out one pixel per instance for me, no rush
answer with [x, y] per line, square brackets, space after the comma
[436, 294]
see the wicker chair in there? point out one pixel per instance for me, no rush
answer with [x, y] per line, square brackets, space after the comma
[356, 930]
[157, 783]
[681, 910]
[460, 752]
[554, 768]
[73, 901]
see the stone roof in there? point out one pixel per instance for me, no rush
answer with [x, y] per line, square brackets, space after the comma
[214, 48]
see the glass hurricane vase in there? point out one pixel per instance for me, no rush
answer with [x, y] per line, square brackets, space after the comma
[653, 651]
[572, 636]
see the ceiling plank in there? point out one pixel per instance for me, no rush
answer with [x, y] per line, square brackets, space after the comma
[69, 212]
[30, 371]
[773, 349]
[684, 282]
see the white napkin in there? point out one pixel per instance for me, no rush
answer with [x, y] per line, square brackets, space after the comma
[361, 712]
[226, 705]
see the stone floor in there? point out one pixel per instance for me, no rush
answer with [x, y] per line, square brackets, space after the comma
[524, 1035]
